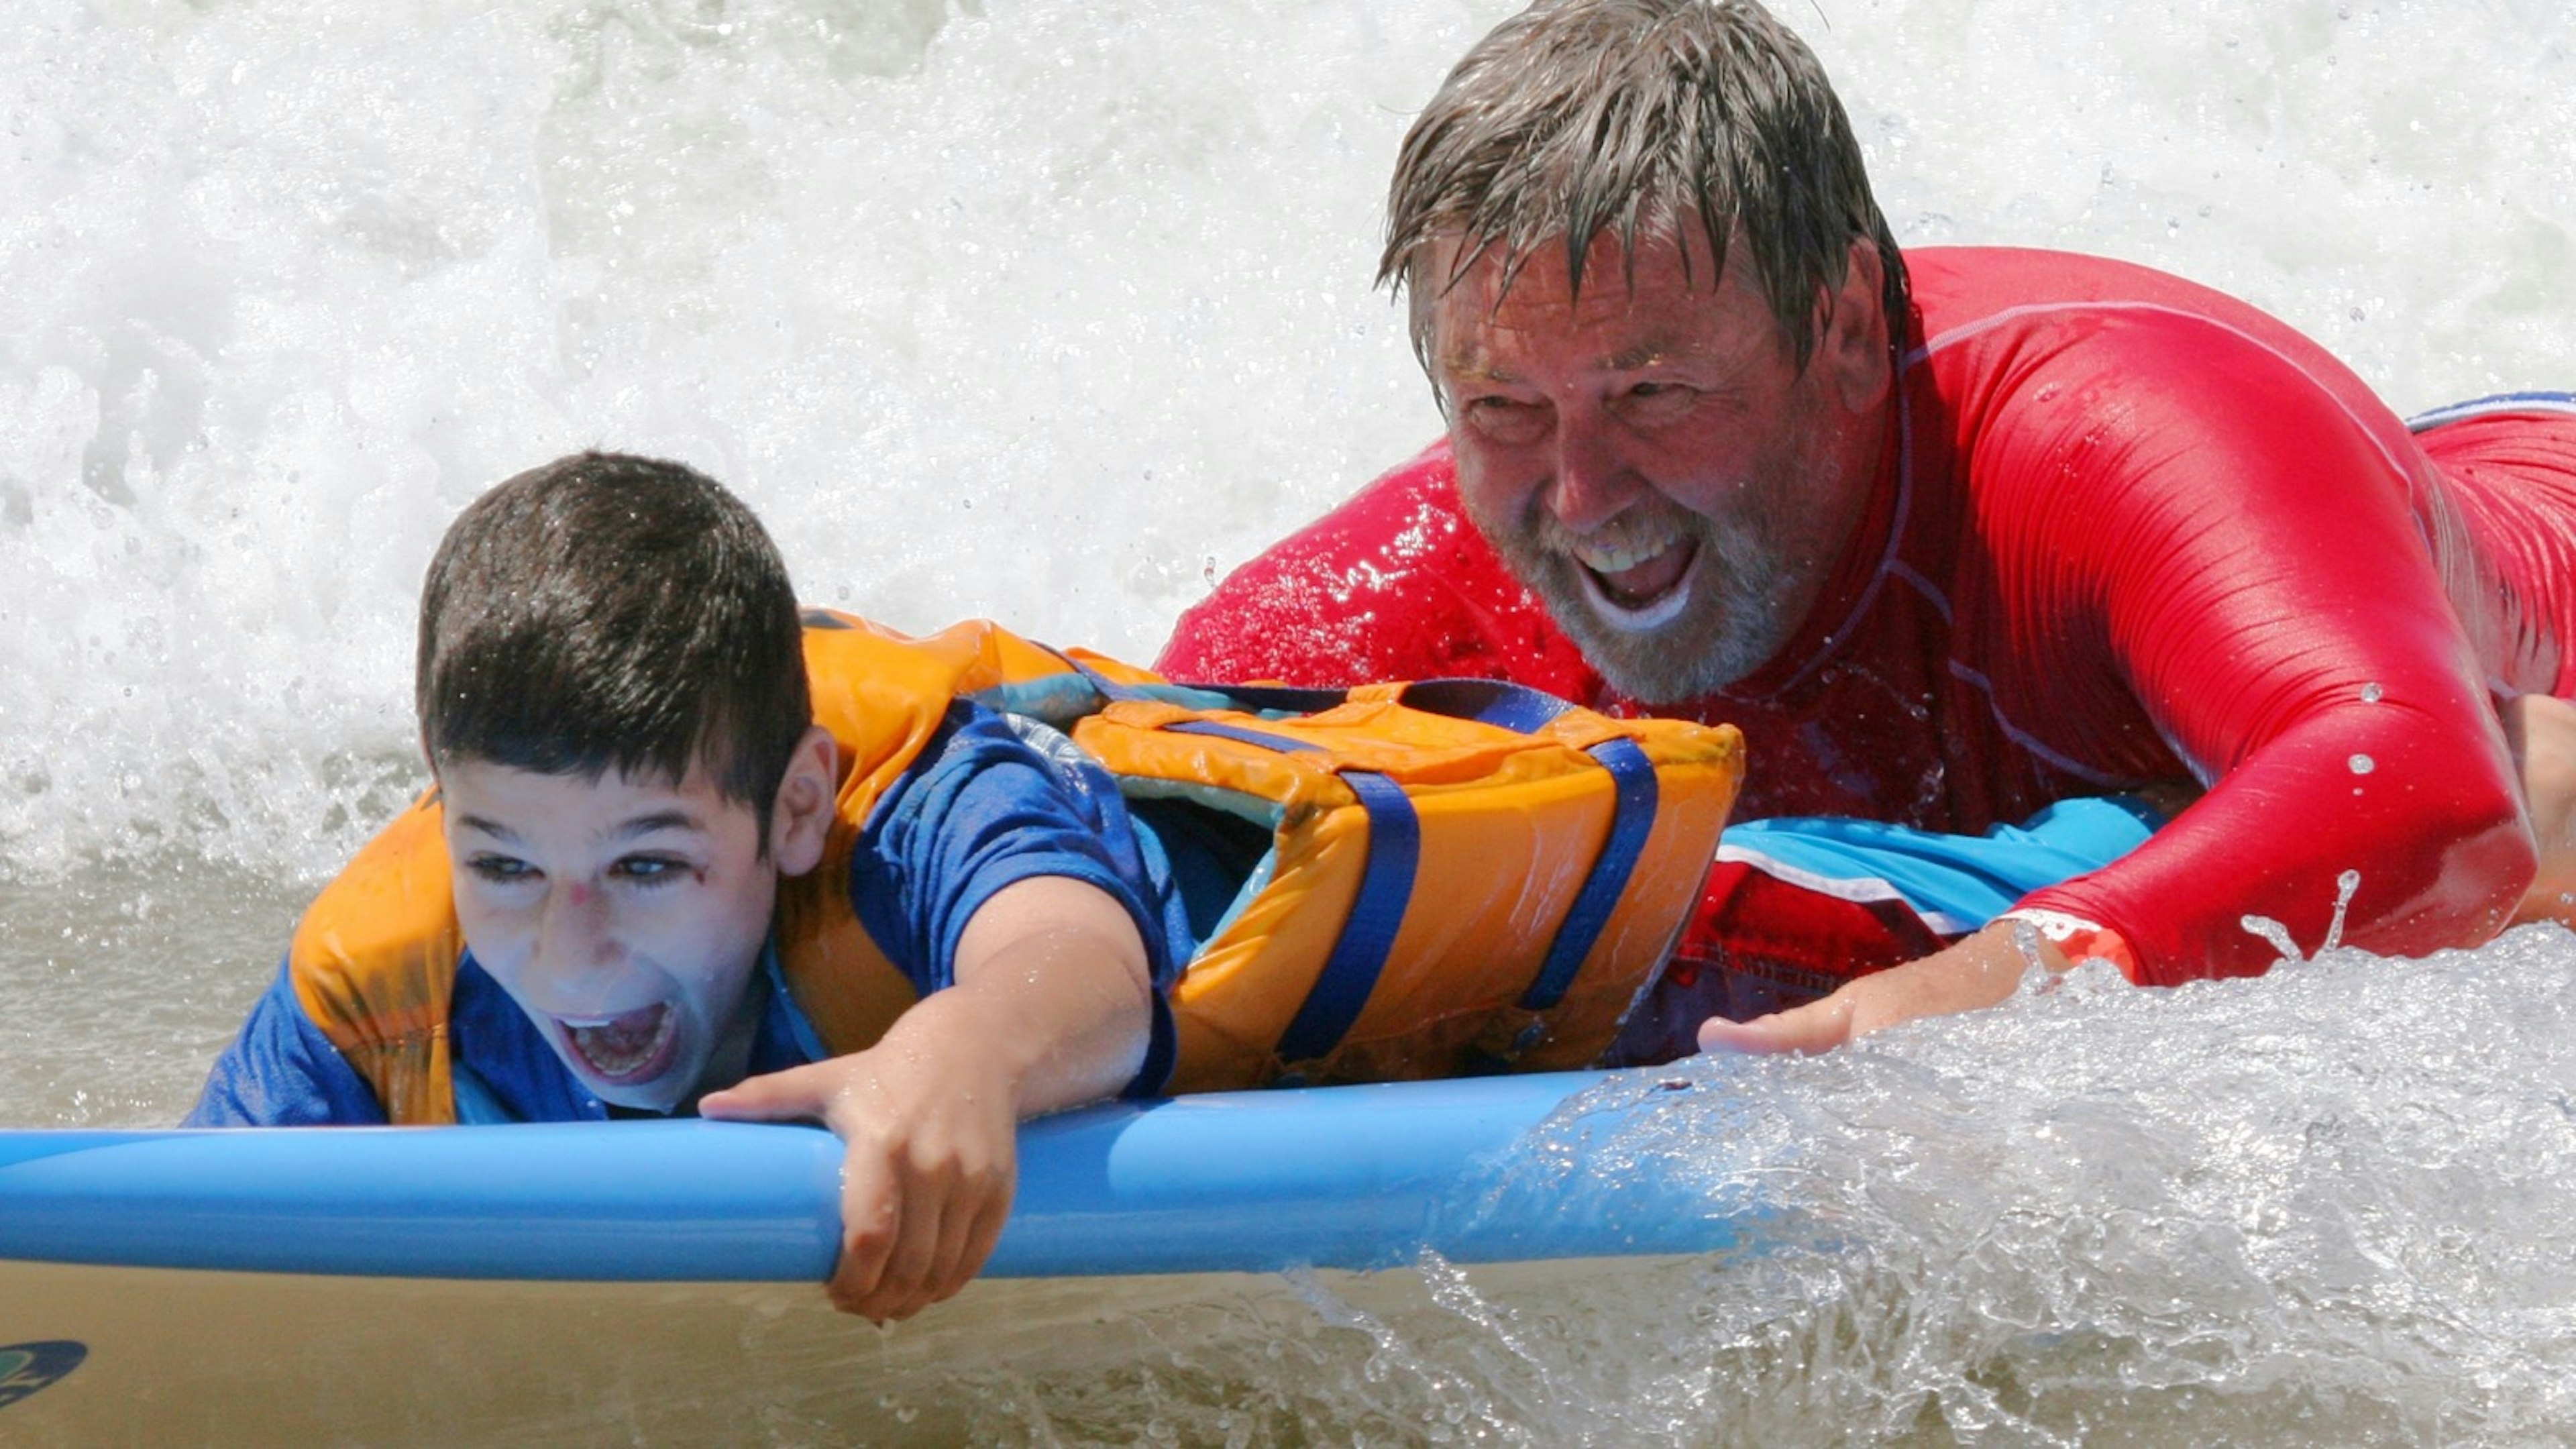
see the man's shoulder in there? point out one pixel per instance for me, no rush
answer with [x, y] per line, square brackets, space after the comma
[1393, 583]
[1993, 295]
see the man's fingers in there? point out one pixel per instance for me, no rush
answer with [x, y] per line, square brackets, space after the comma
[1976, 972]
[1818, 1026]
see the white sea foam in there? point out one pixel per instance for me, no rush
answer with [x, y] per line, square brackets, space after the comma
[1050, 309]
[1041, 310]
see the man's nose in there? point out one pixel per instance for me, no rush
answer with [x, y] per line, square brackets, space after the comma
[1592, 484]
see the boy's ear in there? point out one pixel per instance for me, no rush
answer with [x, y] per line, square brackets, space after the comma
[801, 817]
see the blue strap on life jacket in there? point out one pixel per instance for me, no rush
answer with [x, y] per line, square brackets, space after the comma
[1632, 819]
[1519, 708]
[1367, 938]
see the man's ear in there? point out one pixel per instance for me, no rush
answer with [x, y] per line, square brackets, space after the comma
[1853, 347]
[800, 819]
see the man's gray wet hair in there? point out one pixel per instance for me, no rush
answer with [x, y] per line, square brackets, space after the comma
[1637, 117]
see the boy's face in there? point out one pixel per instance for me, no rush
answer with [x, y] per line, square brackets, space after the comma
[624, 916]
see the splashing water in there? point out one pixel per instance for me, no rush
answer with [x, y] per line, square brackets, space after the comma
[2347, 885]
[1048, 310]
[2274, 934]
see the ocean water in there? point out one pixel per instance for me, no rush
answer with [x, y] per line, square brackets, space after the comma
[1054, 310]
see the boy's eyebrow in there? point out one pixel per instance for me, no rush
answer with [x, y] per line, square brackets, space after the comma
[674, 819]
[657, 820]
[493, 828]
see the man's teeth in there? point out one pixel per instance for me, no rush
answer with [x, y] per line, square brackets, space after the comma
[1636, 619]
[1612, 558]
[1618, 554]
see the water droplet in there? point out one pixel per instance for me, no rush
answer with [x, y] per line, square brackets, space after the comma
[2362, 764]
[2371, 693]
[2025, 939]
[2345, 885]
[2273, 932]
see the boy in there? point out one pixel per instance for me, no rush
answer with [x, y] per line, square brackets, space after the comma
[614, 708]
[686, 853]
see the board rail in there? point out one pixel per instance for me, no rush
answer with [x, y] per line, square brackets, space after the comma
[1360, 1178]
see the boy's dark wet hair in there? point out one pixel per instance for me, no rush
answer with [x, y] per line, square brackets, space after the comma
[609, 612]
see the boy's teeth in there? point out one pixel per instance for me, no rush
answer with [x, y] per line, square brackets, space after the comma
[620, 1044]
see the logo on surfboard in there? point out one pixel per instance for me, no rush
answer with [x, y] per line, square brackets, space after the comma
[27, 1367]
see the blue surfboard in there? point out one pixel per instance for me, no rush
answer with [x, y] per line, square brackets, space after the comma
[1343, 1177]
[288, 1284]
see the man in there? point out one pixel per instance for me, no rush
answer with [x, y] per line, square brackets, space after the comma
[1951, 535]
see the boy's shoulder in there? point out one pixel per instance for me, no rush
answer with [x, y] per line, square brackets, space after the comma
[374, 959]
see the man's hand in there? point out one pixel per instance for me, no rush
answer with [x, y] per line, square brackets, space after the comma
[2542, 733]
[1976, 971]
[932, 1158]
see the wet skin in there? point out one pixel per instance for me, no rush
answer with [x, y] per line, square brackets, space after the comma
[1648, 456]
[625, 916]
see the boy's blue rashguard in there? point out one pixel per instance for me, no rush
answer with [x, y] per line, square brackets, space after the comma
[981, 809]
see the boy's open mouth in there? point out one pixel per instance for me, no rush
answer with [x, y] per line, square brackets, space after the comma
[632, 1046]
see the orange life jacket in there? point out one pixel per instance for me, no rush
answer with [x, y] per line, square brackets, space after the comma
[1444, 894]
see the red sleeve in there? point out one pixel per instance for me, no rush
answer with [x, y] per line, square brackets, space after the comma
[2242, 535]
[1393, 584]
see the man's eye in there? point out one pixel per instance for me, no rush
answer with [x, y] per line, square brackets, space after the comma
[501, 869]
[1652, 400]
[1507, 420]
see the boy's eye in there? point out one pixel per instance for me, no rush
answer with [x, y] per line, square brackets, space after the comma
[650, 870]
[501, 869]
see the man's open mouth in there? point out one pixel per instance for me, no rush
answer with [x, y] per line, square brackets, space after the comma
[632, 1046]
[1636, 585]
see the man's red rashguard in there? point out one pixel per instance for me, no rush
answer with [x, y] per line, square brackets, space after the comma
[2129, 530]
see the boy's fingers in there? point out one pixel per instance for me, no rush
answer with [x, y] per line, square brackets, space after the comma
[981, 1234]
[910, 1260]
[908, 1253]
[951, 1219]
[956, 1258]
[869, 1209]
[798, 1092]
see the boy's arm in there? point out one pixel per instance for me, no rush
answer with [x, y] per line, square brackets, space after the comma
[1051, 1008]
[283, 1072]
